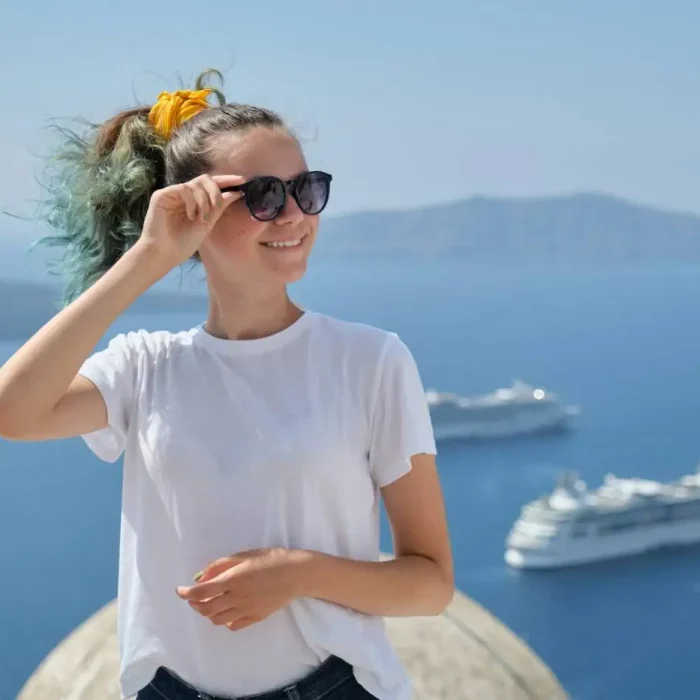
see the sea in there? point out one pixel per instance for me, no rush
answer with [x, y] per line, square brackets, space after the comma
[622, 342]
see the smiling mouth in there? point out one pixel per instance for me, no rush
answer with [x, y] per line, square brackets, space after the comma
[290, 243]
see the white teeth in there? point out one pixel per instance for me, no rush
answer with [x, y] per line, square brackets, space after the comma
[282, 244]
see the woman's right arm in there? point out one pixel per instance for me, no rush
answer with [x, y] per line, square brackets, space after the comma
[41, 394]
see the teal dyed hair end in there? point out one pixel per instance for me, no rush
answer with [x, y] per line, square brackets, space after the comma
[97, 196]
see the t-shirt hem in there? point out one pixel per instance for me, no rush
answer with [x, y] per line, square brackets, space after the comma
[391, 474]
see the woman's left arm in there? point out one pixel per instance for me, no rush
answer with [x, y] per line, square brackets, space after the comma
[419, 580]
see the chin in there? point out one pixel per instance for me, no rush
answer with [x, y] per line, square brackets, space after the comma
[284, 272]
[294, 274]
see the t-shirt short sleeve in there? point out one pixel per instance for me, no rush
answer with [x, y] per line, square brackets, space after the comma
[113, 371]
[401, 425]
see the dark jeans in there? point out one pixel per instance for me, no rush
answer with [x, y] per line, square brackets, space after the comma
[332, 680]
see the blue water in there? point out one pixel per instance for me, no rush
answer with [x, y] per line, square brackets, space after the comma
[622, 343]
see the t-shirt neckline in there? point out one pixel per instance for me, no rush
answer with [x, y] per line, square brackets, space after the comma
[253, 346]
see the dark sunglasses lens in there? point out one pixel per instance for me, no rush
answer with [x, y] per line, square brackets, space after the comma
[265, 198]
[312, 192]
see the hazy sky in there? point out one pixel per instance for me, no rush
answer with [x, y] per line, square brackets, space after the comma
[404, 102]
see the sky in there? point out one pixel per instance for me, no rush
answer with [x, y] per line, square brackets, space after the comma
[406, 103]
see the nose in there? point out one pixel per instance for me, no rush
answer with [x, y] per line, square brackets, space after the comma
[291, 214]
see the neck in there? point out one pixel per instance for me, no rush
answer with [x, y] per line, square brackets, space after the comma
[236, 314]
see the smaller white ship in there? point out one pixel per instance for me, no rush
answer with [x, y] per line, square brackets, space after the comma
[573, 525]
[518, 410]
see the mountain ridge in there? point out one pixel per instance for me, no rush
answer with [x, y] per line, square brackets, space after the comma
[577, 227]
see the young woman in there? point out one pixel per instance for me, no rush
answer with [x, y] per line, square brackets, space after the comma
[256, 446]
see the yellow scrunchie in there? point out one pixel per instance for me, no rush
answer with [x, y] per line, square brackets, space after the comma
[174, 108]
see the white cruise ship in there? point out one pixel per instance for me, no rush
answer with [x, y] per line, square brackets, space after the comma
[519, 410]
[573, 525]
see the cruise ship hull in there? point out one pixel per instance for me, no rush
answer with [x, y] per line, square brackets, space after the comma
[522, 425]
[574, 552]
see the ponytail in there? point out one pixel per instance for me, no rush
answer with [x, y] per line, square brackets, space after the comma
[98, 188]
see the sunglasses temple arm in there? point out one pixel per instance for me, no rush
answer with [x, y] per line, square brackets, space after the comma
[232, 188]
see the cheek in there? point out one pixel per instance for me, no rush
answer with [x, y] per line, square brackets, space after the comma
[236, 233]
[313, 224]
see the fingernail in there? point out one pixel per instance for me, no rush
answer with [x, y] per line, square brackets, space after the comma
[197, 576]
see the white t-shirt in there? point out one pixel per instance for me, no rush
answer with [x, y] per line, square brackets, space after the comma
[232, 445]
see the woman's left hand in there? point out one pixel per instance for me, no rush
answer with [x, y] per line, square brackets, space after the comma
[245, 588]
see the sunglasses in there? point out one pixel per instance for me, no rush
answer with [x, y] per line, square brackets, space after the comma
[266, 196]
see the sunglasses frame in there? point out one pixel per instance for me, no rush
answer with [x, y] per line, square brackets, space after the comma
[290, 187]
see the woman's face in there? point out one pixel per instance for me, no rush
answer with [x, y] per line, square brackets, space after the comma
[238, 246]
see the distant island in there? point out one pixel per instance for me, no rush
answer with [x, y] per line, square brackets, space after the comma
[27, 306]
[578, 228]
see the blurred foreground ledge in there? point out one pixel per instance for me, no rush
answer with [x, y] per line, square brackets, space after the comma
[464, 654]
